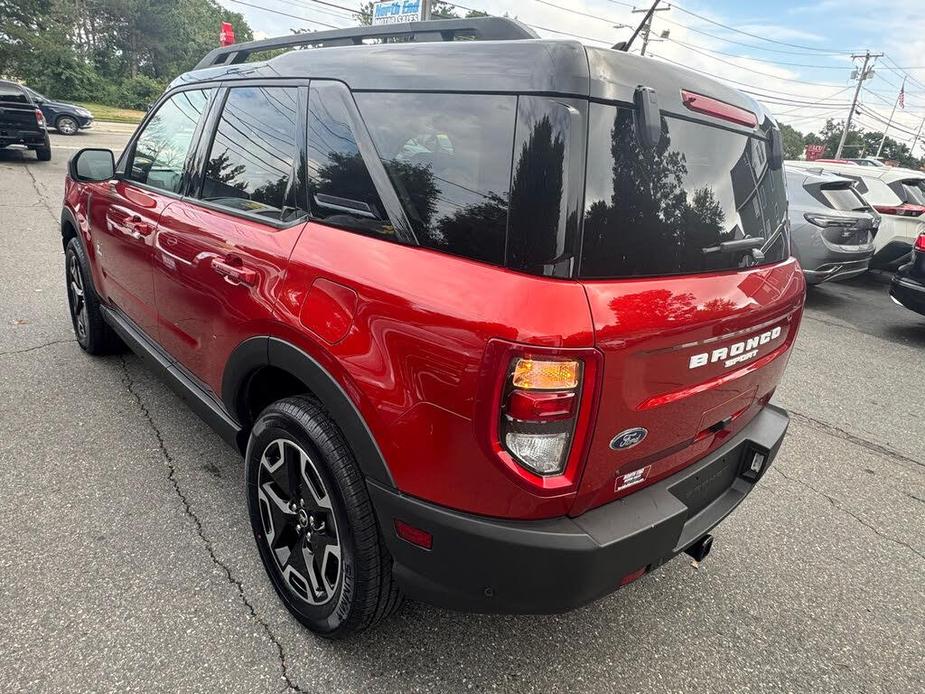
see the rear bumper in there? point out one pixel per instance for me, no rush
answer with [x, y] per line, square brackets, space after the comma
[908, 292]
[837, 270]
[482, 564]
[29, 138]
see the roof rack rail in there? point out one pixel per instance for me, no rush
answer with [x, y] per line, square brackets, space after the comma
[479, 28]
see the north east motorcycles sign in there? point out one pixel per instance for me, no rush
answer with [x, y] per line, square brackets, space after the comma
[398, 11]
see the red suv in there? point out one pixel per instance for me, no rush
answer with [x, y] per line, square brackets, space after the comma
[495, 322]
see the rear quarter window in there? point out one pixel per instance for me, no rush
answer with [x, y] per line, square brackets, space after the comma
[652, 212]
[449, 159]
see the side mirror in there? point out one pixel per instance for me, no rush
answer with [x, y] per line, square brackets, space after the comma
[92, 165]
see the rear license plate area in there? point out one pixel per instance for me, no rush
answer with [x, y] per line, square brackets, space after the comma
[705, 486]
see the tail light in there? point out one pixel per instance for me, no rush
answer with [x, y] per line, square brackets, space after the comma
[40, 119]
[829, 221]
[539, 414]
[920, 243]
[904, 210]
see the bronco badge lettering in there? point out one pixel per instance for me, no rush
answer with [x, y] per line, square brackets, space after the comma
[738, 353]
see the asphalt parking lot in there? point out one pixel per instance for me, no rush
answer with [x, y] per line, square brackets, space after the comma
[127, 562]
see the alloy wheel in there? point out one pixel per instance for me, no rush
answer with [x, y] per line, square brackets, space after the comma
[66, 126]
[298, 522]
[76, 295]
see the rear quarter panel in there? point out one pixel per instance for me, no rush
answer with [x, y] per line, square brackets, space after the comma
[406, 341]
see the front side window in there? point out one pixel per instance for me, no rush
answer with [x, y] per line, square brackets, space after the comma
[163, 146]
[449, 158]
[666, 210]
[250, 163]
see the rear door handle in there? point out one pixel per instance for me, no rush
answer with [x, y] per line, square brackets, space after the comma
[233, 270]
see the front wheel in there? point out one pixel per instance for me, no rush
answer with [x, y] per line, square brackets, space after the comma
[314, 523]
[92, 332]
[67, 125]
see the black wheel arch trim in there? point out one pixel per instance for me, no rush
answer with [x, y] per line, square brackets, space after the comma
[258, 352]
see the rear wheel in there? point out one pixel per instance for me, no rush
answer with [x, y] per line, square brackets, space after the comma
[67, 125]
[92, 332]
[314, 523]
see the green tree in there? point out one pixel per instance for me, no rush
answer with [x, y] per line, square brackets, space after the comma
[792, 141]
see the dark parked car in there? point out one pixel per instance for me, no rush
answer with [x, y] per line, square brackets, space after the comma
[495, 323]
[21, 123]
[831, 226]
[67, 119]
[908, 286]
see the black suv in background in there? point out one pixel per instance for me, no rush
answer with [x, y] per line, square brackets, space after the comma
[21, 123]
[67, 119]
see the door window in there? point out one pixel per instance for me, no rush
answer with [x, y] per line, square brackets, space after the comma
[162, 148]
[250, 167]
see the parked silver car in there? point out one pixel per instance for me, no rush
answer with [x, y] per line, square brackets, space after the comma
[832, 227]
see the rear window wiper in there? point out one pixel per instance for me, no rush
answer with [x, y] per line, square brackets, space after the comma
[749, 245]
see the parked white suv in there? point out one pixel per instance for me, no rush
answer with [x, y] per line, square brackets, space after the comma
[897, 194]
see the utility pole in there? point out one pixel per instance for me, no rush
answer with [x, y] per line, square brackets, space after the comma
[863, 74]
[646, 27]
[917, 136]
[426, 8]
[902, 90]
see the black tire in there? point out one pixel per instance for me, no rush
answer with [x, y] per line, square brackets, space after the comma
[67, 125]
[363, 591]
[43, 153]
[92, 332]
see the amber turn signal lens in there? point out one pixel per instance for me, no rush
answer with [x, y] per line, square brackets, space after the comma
[535, 374]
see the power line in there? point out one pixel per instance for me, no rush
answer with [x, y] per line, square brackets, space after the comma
[757, 36]
[284, 14]
[757, 72]
[816, 51]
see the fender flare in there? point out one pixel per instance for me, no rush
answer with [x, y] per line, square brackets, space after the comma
[258, 352]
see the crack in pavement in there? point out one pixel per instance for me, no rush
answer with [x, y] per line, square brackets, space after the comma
[38, 190]
[835, 504]
[834, 431]
[36, 347]
[129, 384]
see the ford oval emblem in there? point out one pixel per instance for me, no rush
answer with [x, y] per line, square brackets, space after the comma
[628, 439]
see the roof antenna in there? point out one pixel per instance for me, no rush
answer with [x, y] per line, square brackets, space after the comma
[625, 46]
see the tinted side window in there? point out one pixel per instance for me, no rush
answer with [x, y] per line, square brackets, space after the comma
[161, 149]
[449, 158]
[12, 94]
[341, 188]
[666, 210]
[250, 163]
[545, 191]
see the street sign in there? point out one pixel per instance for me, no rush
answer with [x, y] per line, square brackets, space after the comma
[398, 11]
[226, 37]
[814, 152]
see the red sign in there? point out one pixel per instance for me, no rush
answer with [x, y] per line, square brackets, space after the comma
[226, 37]
[814, 152]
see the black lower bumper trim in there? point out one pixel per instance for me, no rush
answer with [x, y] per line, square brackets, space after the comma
[481, 564]
[909, 292]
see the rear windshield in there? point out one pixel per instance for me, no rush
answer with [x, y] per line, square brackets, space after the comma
[843, 197]
[665, 211]
[915, 191]
[12, 94]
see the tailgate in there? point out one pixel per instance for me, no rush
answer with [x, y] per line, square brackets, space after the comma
[690, 360]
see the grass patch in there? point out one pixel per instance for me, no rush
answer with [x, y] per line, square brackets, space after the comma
[113, 114]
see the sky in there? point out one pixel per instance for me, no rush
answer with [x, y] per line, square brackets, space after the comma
[795, 56]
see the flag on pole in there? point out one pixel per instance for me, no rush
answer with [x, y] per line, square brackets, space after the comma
[902, 96]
